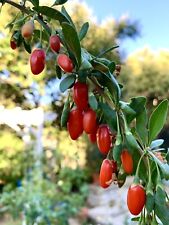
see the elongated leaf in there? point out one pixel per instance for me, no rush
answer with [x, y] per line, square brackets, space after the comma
[72, 40]
[27, 46]
[109, 115]
[59, 2]
[131, 143]
[150, 199]
[156, 143]
[163, 166]
[117, 149]
[93, 102]
[141, 126]
[65, 113]
[107, 50]
[137, 104]
[112, 67]
[127, 109]
[161, 208]
[135, 219]
[67, 82]
[58, 72]
[100, 66]
[65, 13]
[113, 87]
[157, 120]
[86, 58]
[51, 13]
[83, 31]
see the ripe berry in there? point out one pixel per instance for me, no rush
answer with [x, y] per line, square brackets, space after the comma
[54, 43]
[65, 63]
[106, 171]
[27, 29]
[13, 44]
[127, 161]
[75, 123]
[103, 139]
[92, 137]
[80, 95]
[136, 199]
[89, 121]
[37, 61]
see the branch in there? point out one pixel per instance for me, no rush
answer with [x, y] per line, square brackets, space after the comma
[20, 7]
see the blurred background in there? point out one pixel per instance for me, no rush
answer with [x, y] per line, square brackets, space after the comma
[45, 177]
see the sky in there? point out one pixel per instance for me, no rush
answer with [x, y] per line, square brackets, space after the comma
[153, 17]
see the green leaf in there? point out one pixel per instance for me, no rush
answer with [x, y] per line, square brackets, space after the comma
[137, 104]
[86, 58]
[107, 50]
[156, 143]
[67, 82]
[135, 218]
[100, 66]
[82, 76]
[117, 150]
[157, 120]
[161, 208]
[18, 37]
[59, 2]
[93, 102]
[112, 85]
[52, 13]
[65, 113]
[35, 2]
[109, 115]
[127, 109]
[112, 67]
[58, 72]
[163, 166]
[65, 13]
[131, 143]
[27, 46]
[83, 31]
[72, 40]
[150, 200]
[141, 126]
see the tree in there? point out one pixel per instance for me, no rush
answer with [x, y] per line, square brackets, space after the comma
[124, 132]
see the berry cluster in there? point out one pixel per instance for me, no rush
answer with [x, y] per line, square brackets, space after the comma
[124, 133]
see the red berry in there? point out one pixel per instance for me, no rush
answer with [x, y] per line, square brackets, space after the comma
[13, 44]
[75, 123]
[27, 29]
[106, 173]
[37, 61]
[103, 139]
[65, 63]
[54, 43]
[136, 199]
[92, 137]
[80, 95]
[127, 161]
[89, 121]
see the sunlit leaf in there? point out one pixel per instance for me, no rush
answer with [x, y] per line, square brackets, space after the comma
[157, 120]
